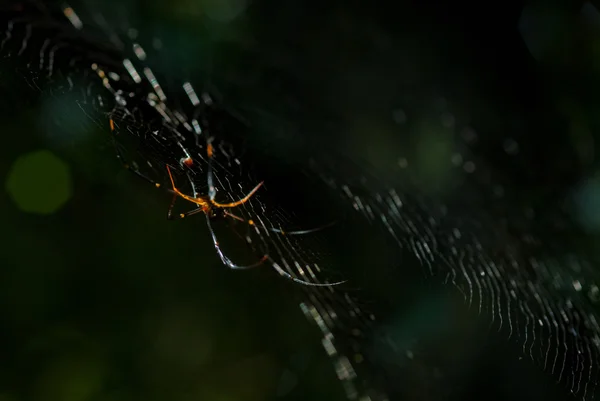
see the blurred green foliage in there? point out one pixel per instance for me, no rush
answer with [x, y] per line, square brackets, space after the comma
[39, 182]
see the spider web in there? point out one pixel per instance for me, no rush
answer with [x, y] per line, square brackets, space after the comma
[154, 127]
[531, 282]
[516, 264]
[469, 221]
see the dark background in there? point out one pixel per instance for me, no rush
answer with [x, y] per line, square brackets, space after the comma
[103, 298]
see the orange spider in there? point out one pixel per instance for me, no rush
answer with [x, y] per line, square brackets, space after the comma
[207, 205]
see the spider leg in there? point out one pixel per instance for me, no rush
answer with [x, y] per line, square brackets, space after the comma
[301, 232]
[187, 214]
[226, 261]
[171, 216]
[238, 202]
[279, 230]
[265, 257]
[212, 192]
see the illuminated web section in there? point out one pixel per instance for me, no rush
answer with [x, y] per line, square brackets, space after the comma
[515, 263]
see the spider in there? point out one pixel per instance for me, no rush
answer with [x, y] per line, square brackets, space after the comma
[207, 205]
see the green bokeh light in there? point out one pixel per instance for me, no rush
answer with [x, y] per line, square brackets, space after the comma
[39, 182]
